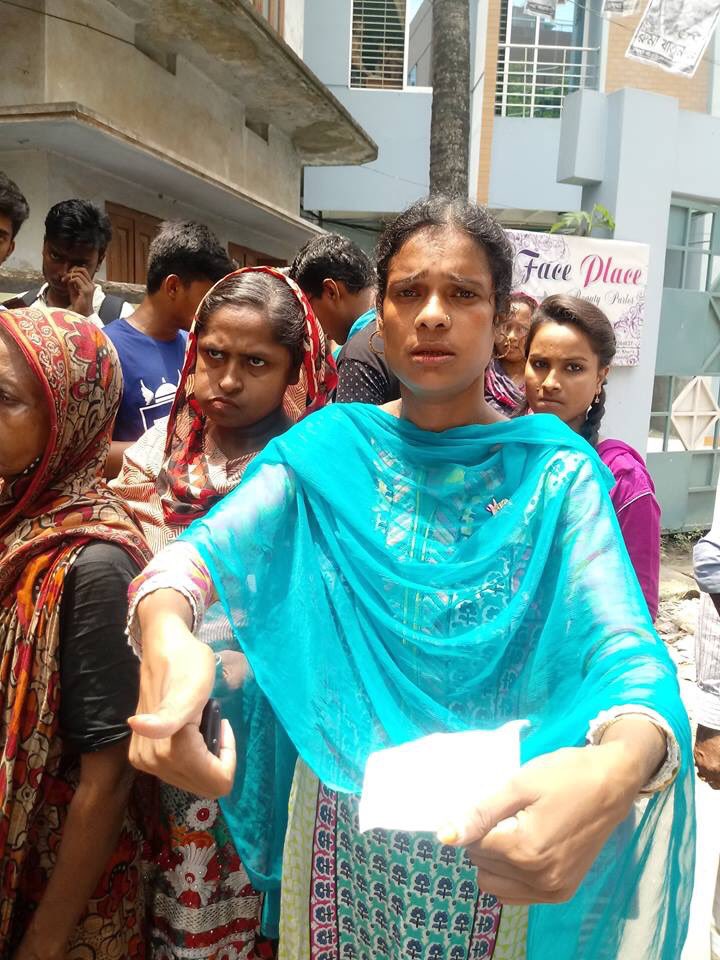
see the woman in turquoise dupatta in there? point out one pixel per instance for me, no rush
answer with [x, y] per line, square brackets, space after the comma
[431, 567]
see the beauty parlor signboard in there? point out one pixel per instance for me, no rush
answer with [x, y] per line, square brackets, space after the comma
[611, 274]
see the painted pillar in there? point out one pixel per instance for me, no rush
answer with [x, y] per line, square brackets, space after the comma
[621, 149]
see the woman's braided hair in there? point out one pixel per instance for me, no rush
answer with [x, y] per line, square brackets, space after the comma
[592, 322]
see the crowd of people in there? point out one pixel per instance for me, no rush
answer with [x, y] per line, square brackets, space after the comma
[356, 503]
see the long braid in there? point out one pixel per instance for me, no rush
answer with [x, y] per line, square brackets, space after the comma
[591, 428]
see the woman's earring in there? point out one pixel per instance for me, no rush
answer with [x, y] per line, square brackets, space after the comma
[375, 333]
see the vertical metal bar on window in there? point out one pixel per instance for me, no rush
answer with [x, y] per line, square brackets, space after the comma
[668, 418]
[506, 75]
[707, 250]
[506, 58]
[534, 67]
[406, 48]
[582, 71]
[709, 469]
[351, 43]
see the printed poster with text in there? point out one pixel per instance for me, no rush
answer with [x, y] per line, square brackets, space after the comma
[620, 8]
[540, 8]
[612, 274]
[673, 34]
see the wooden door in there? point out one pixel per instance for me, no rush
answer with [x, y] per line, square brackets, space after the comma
[145, 229]
[127, 254]
[120, 260]
[246, 257]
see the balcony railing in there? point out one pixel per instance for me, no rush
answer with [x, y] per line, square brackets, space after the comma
[534, 79]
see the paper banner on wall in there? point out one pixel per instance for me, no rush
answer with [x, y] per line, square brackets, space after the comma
[612, 274]
[540, 8]
[620, 8]
[674, 34]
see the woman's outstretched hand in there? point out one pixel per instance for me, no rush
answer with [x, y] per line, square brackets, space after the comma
[534, 841]
[176, 681]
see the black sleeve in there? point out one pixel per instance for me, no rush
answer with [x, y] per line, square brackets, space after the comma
[363, 374]
[99, 673]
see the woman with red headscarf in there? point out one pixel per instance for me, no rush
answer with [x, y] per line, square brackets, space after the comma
[255, 364]
[68, 550]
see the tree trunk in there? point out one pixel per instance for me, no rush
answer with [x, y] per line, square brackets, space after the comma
[450, 128]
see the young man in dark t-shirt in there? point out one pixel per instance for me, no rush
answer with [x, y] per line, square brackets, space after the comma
[185, 259]
[340, 283]
[338, 280]
[77, 235]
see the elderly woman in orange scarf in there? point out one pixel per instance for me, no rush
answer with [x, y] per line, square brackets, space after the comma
[69, 850]
[256, 363]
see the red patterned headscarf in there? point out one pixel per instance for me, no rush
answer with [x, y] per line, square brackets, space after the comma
[193, 478]
[46, 518]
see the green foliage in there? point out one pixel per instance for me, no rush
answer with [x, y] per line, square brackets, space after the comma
[580, 223]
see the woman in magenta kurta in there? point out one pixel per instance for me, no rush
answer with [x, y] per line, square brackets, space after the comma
[569, 349]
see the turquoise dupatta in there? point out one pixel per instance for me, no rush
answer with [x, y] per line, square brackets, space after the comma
[362, 321]
[387, 582]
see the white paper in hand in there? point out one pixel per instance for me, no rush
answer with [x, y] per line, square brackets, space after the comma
[436, 780]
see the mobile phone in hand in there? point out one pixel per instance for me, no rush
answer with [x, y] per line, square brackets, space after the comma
[210, 726]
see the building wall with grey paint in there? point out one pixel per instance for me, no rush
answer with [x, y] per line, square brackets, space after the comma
[47, 178]
[398, 121]
[523, 172]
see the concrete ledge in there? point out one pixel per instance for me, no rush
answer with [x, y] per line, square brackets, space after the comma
[235, 46]
[73, 130]
[17, 281]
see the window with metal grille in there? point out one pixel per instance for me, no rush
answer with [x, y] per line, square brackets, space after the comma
[378, 44]
[541, 61]
[692, 258]
[686, 407]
